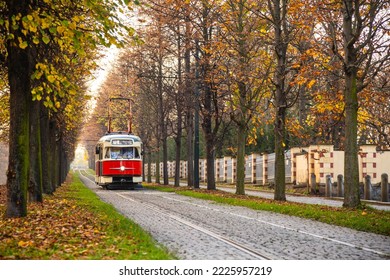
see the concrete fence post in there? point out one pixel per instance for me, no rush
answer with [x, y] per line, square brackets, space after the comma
[253, 175]
[367, 187]
[265, 169]
[328, 186]
[385, 187]
[313, 183]
[340, 185]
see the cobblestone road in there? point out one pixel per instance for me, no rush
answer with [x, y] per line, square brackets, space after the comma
[196, 229]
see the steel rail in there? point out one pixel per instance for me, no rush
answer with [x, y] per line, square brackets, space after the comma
[285, 228]
[235, 244]
[217, 236]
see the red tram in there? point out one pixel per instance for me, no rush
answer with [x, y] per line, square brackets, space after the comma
[118, 160]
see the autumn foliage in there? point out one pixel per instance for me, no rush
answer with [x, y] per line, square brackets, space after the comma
[73, 224]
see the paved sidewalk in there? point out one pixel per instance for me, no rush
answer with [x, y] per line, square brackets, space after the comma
[335, 202]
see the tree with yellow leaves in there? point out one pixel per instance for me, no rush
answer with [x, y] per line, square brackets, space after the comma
[246, 69]
[360, 41]
[68, 31]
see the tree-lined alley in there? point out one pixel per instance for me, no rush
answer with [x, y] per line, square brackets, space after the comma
[229, 75]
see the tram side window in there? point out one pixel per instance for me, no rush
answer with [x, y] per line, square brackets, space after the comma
[107, 153]
[98, 153]
[136, 153]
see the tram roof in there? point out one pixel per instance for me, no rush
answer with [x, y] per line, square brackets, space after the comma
[118, 135]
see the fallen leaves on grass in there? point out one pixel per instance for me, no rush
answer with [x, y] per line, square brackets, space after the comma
[3, 194]
[58, 226]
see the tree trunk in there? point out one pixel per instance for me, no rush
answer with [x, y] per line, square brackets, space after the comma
[210, 159]
[165, 159]
[351, 163]
[149, 155]
[63, 162]
[210, 138]
[19, 82]
[46, 151]
[351, 166]
[157, 154]
[57, 164]
[161, 120]
[178, 153]
[241, 142]
[190, 147]
[190, 101]
[179, 108]
[35, 186]
[52, 149]
[280, 100]
[280, 172]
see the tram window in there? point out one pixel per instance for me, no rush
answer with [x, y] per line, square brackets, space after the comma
[115, 153]
[127, 153]
[130, 153]
[122, 153]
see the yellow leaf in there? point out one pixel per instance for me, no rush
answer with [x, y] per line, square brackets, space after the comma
[41, 66]
[23, 45]
[51, 78]
[60, 29]
[45, 25]
[32, 28]
[24, 244]
[311, 83]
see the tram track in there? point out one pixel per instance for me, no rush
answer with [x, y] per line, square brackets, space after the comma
[237, 245]
[89, 176]
[254, 253]
[161, 211]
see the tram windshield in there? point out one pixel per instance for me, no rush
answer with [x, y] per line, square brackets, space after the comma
[122, 153]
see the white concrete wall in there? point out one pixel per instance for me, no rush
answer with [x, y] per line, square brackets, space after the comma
[322, 160]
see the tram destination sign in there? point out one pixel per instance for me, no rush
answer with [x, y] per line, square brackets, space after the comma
[122, 142]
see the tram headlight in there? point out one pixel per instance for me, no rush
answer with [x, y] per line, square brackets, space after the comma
[122, 168]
